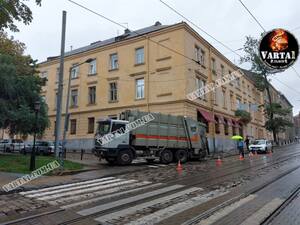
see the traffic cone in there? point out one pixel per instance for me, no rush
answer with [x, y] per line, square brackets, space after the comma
[219, 161]
[179, 166]
[241, 157]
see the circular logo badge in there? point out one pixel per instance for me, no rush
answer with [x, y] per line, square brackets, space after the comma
[278, 49]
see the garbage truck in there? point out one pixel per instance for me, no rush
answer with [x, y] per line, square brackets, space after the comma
[149, 136]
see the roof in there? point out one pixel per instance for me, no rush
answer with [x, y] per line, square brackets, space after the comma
[125, 36]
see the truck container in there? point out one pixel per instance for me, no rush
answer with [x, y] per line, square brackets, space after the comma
[152, 136]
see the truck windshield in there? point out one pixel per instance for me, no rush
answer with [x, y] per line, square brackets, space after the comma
[103, 127]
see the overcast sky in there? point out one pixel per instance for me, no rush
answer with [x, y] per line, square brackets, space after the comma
[226, 20]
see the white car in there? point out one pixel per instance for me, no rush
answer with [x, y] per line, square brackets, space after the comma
[261, 146]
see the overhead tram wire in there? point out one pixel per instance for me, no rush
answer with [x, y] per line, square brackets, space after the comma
[125, 27]
[191, 22]
[286, 85]
[264, 29]
[252, 16]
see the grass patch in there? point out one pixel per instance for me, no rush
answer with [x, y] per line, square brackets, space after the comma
[20, 163]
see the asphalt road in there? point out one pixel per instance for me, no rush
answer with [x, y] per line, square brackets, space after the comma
[255, 190]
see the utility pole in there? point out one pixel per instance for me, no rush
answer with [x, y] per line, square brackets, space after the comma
[60, 86]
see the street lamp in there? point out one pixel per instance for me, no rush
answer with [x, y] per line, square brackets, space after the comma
[37, 106]
[67, 109]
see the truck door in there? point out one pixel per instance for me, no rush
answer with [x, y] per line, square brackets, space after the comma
[120, 137]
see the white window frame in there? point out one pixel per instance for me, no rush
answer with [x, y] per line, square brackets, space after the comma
[75, 71]
[139, 55]
[93, 67]
[92, 96]
[74, 101]
[113, 92]
[140, 88]
[114, 61]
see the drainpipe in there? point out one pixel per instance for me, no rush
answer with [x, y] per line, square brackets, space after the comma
[148, 74]
[212, 101]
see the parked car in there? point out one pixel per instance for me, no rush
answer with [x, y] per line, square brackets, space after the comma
[41, 148]
[11, 145]
[261, 146]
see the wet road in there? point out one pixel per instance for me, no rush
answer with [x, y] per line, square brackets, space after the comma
[230, 191]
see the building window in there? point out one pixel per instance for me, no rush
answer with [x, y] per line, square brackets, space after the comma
[226, 127]
[139, 55]
[233, 130]
[91, 125]
[213, 65]
[57, 74]
[199, 55]
[74, 71]
[224, 98]
[231, 101]
[44, 76]
[200, 84]
[74, 97]
[238, 104]
[73, 126]
[55, 100]
[139, 88]
[215, 100]
[222, 70]
[113, 91]
[93, 67]
[237, 82]
[114, 64]
[92, 95]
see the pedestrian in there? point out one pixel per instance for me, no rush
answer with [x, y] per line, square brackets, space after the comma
[247, 141]
[240, 146]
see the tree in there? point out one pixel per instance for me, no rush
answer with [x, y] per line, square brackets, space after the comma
[15, 10]
[275, 114]
[19, 90]
[244, 116]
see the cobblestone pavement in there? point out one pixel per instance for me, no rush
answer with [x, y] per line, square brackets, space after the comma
[157, 194]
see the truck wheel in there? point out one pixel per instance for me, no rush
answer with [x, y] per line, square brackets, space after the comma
[166, 156]
[181, 155]
[125, 157]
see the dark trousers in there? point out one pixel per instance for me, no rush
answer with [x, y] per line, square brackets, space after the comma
[241, 151]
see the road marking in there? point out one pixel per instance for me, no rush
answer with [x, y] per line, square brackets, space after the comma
[110, 205]
[65, 185]
[74, 188]
[97, 193]
[165, 213]
[131, 210]
[109, 196]
[262, 213]
[225, 211]
[83, 190]
[151, 166]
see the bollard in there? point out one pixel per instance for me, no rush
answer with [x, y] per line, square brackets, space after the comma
[81, 155]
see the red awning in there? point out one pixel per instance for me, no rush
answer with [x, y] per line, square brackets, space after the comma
[207, 115]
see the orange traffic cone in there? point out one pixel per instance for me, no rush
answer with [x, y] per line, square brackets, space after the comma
[219, 159]
[179, 166]
[241, 157]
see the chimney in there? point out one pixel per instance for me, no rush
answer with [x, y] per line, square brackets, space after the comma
[127, 31]
[157, 23]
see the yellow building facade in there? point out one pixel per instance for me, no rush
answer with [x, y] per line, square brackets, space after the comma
[152, 69]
